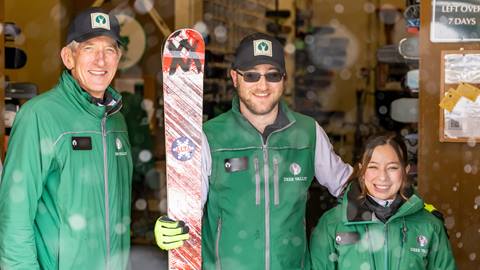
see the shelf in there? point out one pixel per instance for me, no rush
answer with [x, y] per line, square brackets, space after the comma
[239, 18]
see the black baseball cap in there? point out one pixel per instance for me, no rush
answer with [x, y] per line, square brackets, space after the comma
[93, 22]
[259, 48]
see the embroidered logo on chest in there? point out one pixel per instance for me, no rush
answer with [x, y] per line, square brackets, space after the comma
[119, 146]
[295, 169]
[422, 243]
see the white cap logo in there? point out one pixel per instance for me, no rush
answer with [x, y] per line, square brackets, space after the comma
[262, 47]
[100, 20]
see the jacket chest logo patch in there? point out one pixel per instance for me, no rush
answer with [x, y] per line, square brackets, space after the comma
[119, 146]
[422, 242]
[183, 148]
[81, 143]
[295, 169]
[118, 143]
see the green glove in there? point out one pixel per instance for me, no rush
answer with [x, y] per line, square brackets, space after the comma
[170, 234]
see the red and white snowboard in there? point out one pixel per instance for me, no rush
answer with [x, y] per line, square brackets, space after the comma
[183, 64]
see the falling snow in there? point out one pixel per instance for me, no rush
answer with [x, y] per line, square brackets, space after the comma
[145, 156]
[17, 194]
[77, 222]
[141, 204]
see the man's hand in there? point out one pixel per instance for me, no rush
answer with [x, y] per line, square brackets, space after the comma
[170, 234]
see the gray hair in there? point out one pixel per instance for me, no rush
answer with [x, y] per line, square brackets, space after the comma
[73, 45]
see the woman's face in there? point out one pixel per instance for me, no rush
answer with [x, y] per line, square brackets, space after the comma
[384, 173]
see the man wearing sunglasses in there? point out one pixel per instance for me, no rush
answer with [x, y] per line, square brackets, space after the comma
[259, 159]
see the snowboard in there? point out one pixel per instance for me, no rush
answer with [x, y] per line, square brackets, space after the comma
[412, 18]
[183, 65]
[409, 48]
[389, 54]
[15, 58]
[412, 80]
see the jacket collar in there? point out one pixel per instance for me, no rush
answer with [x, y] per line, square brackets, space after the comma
[355, 210]
[85, 101]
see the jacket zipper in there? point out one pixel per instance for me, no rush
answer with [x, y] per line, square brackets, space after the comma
[105, 176]
[267, 194]
[404, 239]
[257, 181]
[218, 266]
[385, 246]
[372, 257]
[267, 208]
[276, 192]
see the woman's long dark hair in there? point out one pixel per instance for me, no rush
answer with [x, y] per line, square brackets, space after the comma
[400, 149]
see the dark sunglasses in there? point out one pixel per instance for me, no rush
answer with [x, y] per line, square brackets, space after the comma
[252, 76]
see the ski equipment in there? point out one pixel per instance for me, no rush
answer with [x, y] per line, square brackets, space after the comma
[183, 65]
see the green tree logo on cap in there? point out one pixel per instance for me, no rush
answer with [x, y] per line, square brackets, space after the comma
[100, 19]
[262, 47]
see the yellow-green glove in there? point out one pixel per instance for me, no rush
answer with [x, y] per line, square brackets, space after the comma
[170, 234]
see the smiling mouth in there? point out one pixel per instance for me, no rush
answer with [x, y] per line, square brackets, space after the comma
[97, 73]
[260, 94]
[382, 187]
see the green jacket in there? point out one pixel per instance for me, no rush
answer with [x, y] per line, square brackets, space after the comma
[350, 237]
[65, 189]
[254, 217]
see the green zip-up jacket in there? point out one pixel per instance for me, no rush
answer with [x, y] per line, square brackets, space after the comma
[254, 216]
[350, 237]
[65, 188]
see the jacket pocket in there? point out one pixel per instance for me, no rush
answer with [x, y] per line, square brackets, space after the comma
[257, 181]
[276, 194]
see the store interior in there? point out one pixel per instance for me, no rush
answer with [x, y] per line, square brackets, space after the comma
[360, 68]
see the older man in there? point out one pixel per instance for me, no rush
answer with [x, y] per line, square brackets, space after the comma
[65, 189]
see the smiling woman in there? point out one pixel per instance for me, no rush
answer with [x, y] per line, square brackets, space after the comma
[381, 222]
[383, 169]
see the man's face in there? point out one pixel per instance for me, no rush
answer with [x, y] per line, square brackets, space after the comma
[93, 63]
[260, 97]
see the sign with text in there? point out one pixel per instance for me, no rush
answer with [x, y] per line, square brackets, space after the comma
[455, 21]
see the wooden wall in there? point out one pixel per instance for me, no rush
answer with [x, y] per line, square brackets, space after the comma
[442, 178]
[41, 23]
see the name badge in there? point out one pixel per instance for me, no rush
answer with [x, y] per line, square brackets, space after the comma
[345, 238]
[235, 164]
[81, 143]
